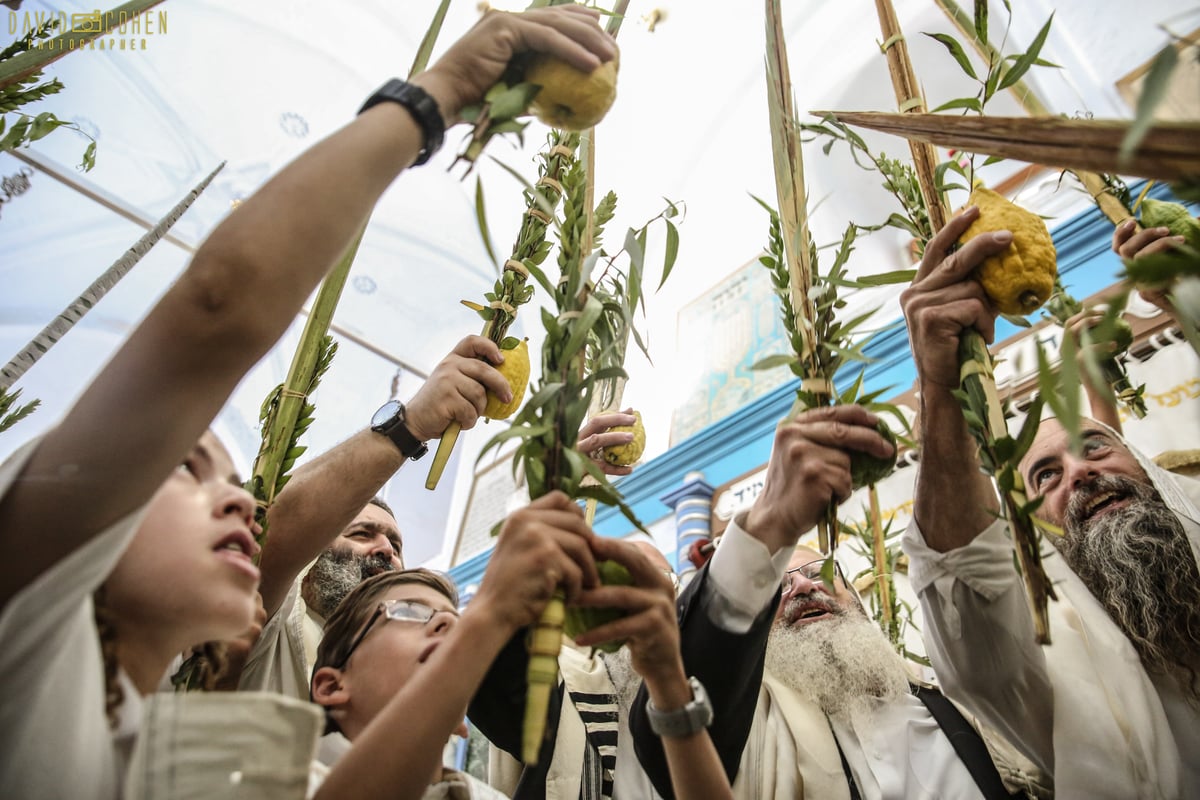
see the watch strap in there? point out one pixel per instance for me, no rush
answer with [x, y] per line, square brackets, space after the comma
[423, 108]
[409, 446]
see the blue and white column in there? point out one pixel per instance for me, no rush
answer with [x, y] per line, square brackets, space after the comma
[692, 504]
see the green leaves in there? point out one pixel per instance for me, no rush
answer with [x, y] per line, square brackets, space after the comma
[672, 251]
[508, 99]
[481, 220]
[981, 19]
[10, 412]
[1162, 269]
[587, 330]
[771, 362]
[1059, 389]
[275, 459]
[887, 278]
[956, 50]
[968, 103]
[1003, 72]
[1027, 59]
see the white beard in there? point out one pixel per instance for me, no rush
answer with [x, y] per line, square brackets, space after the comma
[843, 664]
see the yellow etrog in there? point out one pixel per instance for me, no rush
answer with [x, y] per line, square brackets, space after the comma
[515, 370]
[1021, 278]
[571, 99]
[624, 455]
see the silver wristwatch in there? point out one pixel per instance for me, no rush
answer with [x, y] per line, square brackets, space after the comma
[695, 716]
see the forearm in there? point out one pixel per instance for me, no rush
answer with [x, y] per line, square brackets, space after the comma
[953, 500]
[320, 500]
[693, 763]
[164, 386]
[730, 665]
[1102, 406]
[398, 753]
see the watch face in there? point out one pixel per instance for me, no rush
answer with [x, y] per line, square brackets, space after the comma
[386, 413]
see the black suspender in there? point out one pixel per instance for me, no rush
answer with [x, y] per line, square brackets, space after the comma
[854, 793]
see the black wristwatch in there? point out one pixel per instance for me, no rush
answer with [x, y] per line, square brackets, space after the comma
[423, 108]
[692, 718]
[389, 420]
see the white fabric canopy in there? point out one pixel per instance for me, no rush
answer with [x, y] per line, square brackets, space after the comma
[254, 83]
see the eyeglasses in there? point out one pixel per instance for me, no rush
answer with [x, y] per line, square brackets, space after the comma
[400, 611]
[813, 571]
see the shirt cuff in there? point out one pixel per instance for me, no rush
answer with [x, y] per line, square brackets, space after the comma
[985, 564]
[743, 579]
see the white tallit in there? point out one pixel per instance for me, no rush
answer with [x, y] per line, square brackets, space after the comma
[1116, 732]
[790, 752]
[581, 675]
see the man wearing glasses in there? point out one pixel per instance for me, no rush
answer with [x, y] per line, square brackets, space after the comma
[840, 715]
[809, 699]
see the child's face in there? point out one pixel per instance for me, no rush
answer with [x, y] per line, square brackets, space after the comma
[392, 651]
[188, 568]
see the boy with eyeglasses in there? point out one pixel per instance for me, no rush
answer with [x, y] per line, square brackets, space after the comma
[398, 663]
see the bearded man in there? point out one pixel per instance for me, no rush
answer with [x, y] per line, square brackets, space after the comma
[325, 533]
[1111, 706]
[808, 699]
[840, 716]
[837, 715]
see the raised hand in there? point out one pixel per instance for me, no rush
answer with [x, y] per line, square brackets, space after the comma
[457, 389]
[943, 300]
[809, 468]
[477, 60]
[543, 546]
[595, 436]
[649, 627]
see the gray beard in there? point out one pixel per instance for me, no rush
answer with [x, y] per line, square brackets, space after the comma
[625, 679]
[335, 573]
[843, 664]
[1137, 562]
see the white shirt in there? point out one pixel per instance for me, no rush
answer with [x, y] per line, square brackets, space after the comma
[282, 659]
[58, 743]
[1082, 707]
[223, 745]
[899, 752]
[454, 785]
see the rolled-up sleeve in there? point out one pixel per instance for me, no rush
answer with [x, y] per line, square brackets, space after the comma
[979, 635]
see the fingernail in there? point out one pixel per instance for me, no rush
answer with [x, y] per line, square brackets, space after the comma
[627, 437]
[1002, 237]
[1162, 231]
[1127, 225]
[1179, 239]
